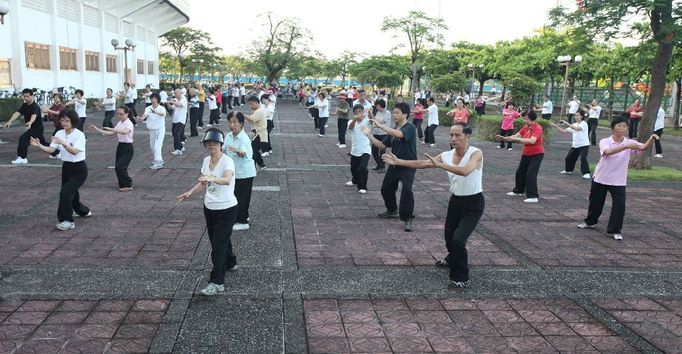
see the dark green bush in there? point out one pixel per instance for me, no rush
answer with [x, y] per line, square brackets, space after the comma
[489, 126]
[9, 106]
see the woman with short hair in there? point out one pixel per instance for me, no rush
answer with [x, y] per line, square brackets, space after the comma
[238, 148]
[124, 151]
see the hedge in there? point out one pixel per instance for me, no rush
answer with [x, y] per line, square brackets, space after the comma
[489, 126]
[10, 105]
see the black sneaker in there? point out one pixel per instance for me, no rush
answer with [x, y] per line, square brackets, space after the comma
[389, 215]
[443, 263]
[408, 225]
[459, 284]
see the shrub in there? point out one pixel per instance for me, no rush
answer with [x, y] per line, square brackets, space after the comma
[9, 106]
[446, 120]
[489, 126]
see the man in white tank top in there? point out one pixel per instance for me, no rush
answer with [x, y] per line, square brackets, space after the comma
[464, 165]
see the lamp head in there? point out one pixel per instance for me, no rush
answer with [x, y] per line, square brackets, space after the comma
[4, 8]
[578, 58]
[114, 42]
[130, 43]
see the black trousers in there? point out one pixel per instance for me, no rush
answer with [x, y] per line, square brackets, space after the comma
[25, 140]
[571, 117]
[358, 170]
[572, 158]
[592, 124]
[376, 153]
[430, 137]
[225, 104]
[547, 116]
[266, 146]
[81, 123]
[108, 116]
[236, 101]
[124, 154]
[315, 113]
[405, 176]
[418, 124]
[323, 123]
[506, 132]
[74, 175]
[343, 128]
[242, 191]
[527, 175]
[229, 102]
[657, 142]
[632, 128]
[219, 228]
[201, 113]
[243, 99]
[257, 146]
[213, 117]
[132, 108]
[464, 212]
[177, 130]
[597, 200]
[194, 114]
[350, 103]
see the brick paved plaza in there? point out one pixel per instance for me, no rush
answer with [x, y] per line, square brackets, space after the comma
[319, 272]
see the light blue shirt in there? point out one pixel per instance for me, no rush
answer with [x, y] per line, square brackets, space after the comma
[361, 144]
[244, 166]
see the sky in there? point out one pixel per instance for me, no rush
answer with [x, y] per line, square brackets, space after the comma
[355, 25]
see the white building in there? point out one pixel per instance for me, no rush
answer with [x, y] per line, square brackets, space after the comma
[46, 44]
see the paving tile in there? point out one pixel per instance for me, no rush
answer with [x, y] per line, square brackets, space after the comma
[363, 330]
[41, 346]
[410, 344]
[136, 345]
[328, 345]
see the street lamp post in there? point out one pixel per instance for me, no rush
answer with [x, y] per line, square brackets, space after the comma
[472, 68]
[4, 10]
[565, 60]
[129, 45]
[200, 61]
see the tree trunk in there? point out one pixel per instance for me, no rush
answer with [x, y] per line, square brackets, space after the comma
[414, 81]
[676, 104]
[182, 71]
[480, 87]
[611, 98]
[656, 89]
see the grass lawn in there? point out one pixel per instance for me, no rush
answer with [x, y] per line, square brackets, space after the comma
[656, 173]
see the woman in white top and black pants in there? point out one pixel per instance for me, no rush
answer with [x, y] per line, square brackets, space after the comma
[69, 143]
[220, 207]
[464, 164]
[79, 105]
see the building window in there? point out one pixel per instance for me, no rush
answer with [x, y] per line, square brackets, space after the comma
[68, 60]
[37, 55]
[150, 68]
[91, 61]
[111, 63]
[5, 73]
[140, 66]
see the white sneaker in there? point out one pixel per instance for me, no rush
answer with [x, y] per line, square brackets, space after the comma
[530, 200]
[66, 225]
[19, 161]
[320, 135]
[362, 191]
[510, 149]
[176, 152]
[212, 289]
[75, 215]
[52, 157]
[209, 125]
[422, 141]
[265, 154]
[617, 237]
[183, 142]
[432, 145]
[585, 226]
[512, 194]
[564, 172]
[499, 147]
[658, 155]
[240, 227]
[183, 149]
[350, 183]
[326, 126]
[202, 128]
[157, 165]
[342, 146]
[587, 176]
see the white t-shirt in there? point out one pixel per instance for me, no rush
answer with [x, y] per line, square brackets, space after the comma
[273, 99]
[464, 185]
[164, 96]
[155, 120]
[147, 97]
[219, 196]
[235, 91]
[324, 111]
[660, 119]
[109, 103]
[80, 107]
[130, 95]
[361, 144]
[75, 139]
[547, 107]
[212, 102]
[595, 112]
[573, 107]
[580, 137]
[269, 111]
[433, 114]
[242, 90]
[180, 113]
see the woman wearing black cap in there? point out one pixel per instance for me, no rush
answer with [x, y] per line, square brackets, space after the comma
[220, 208]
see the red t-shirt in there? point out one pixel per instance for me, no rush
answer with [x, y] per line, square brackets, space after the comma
[529, 131]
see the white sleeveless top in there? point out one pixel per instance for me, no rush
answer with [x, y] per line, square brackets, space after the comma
[460, 185]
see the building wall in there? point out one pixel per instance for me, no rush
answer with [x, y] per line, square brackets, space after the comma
[70, 23]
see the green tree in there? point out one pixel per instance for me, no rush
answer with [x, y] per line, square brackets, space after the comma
[522, 88]
[181, 40]
[450, 82]
[421, 31]
[385, 71]
[284, 40]
[604, 18]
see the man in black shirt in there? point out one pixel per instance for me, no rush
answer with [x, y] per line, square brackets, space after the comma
[403, 144]
[34, 126]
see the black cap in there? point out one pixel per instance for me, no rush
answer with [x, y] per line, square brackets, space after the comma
[213, 135]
